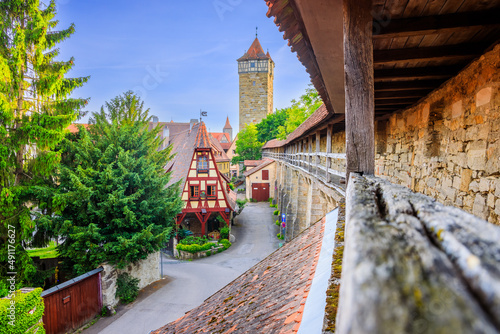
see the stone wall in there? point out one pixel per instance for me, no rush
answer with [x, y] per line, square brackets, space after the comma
[147, 271]
[448, 145]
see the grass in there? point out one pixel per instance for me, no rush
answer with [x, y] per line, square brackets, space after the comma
[44, 253]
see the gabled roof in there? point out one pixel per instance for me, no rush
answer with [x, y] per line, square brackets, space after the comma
[265, 163]
[272, 296]
[227, 125]
[220, 135]
[202, 140]
[218, 150]
[255, 52]
[274, 143]
[252, 163]
[183, 145]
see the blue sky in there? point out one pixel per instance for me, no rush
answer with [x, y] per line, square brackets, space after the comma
[179, 55]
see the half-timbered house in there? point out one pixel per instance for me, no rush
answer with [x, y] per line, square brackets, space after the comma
[205, 191]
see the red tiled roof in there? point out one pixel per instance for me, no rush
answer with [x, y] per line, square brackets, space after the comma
[268, 298]
[252, 163]
[173, 127]
[73, 128]
[202, 140]
[220, 135]
[265, 163]
[255, 52]
[183, 145]
[274, 143]
[316, 118]
[219, 153]
[227, 125]
[225, 146]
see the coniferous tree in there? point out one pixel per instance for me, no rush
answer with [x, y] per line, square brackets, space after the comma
[34, 112]
[116, 204]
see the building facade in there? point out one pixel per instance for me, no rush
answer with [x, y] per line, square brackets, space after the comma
[256, 72]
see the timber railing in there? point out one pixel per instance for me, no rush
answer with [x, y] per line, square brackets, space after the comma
[327, 167]
[413, 265]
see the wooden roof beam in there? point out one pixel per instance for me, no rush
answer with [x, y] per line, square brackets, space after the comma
[426, 25]
[439, 53]
[412, 73]
[407, 85]
[392, 94]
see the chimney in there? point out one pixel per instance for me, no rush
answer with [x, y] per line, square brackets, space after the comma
[155, 119]
[166, 136]
[192, 122]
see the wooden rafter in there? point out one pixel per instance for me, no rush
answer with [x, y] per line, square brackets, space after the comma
[412, 73]
[427, 25]
[440, 53]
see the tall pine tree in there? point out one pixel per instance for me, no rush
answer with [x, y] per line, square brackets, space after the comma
[113, 194]
[34, 112]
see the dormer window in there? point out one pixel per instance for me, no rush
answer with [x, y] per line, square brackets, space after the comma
[202, 164]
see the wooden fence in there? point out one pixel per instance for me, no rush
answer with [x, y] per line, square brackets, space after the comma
[71, 304]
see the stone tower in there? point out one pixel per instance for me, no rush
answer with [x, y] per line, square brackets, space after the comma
[228, 129]
[256, 71]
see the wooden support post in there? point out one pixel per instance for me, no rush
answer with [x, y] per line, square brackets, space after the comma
[318, 149]
[359, 95]
[309, 158]
[328, 151]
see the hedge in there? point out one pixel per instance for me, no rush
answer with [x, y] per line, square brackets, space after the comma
[24, 323]
[193, 248]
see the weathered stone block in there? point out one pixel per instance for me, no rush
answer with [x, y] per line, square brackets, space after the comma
[493, 164]
[449, 192]
[460, 159]
[490, 200]
[476, 155]
[456, 182]
[497, 207]
[484, 185]
[479, 208]
[474, 186]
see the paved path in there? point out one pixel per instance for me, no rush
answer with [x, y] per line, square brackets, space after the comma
[190, 283]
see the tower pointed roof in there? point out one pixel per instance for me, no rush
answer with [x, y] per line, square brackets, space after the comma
[227, 126]
[202, 140]
[255, 52]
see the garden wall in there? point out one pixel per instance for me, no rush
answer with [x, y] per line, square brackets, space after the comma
[147, 271]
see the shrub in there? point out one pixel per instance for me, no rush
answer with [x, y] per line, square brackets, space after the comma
[193, 248]
[225, 243]
[276, 212]
[194, 240]
[280, 236]
[24, 321]
[127, 288]
[231, 186]
[224, 233]
[277, 222]
[270, 200]
[241, 205]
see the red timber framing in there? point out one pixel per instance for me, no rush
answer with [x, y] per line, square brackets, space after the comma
[203, 205]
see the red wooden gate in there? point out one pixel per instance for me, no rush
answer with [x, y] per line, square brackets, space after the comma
[71, 304]
[260, 191]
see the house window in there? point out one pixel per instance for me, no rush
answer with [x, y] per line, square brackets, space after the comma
[202, 164]
[194, 191]
[265, 175]
[252, 64]
[211, 191]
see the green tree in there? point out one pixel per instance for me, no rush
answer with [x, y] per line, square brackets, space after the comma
[268, 128]
[299, 111]
[114, 198]
[247, 145]
[34, 112]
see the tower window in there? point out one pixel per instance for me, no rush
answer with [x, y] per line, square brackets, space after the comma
[254, 83]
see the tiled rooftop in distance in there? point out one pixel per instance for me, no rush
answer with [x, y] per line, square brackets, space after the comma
[268, 298]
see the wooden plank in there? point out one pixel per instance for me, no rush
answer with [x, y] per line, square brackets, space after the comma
[461, 51]
[427, 25]
[359, 94]
[391, 259]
